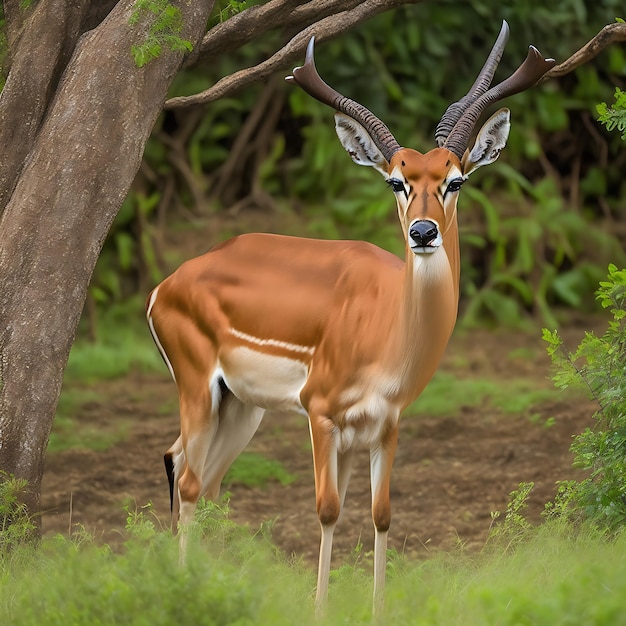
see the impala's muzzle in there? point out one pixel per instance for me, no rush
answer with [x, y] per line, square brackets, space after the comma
[424, 236]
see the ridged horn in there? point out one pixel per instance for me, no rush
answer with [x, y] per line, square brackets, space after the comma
[526, 75]
[481, 84]
[311, 82]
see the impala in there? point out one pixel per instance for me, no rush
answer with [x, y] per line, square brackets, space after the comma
[341, 332]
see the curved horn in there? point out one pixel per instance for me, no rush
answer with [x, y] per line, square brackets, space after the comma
[526, 75]
[311, 82]
[481, 84]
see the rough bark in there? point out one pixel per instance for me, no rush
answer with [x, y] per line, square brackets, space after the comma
[41, 48]
[70, 187]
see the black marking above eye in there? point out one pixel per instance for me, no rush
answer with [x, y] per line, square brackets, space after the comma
[397, 185]
[454, 185]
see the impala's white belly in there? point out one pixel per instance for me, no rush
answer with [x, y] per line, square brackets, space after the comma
[269, 381]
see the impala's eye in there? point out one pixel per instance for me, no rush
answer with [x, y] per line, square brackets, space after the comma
[397, 185]
[455, 185]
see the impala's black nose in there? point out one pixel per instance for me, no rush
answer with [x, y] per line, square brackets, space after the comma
[423, 233]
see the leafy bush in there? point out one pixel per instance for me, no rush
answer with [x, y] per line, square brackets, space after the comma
[599, 363]
[513, 527]
[614, 117]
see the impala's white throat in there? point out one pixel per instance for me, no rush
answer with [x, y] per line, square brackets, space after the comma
[428, 303]
[430, 266]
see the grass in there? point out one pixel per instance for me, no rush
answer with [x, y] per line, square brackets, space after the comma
[555, 575]
[124, 343]
[69, 433]
[447, 393]
[452, 389]
[256, 470]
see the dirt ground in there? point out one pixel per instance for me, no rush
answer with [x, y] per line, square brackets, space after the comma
[450, 472]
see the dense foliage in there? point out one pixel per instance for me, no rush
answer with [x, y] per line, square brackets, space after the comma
[537, 229]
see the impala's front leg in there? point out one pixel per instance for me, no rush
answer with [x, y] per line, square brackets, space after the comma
[327, 497]
[381, 460]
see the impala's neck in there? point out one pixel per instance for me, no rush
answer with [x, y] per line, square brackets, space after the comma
[428, 313]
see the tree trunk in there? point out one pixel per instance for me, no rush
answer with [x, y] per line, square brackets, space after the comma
[70, 187]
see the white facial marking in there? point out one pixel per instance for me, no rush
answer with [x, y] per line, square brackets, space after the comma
[402, 198]
[454, 173]
[274, 343]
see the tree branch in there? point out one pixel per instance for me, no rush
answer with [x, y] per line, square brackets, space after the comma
[324, 29]
[612, 33]
[253, 22]
[246, 26]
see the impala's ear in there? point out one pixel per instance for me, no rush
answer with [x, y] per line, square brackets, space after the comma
[489, 142]
[358, 143]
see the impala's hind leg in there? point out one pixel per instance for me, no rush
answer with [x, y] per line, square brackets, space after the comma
[218, 439]
[199, 419]
[237, 424]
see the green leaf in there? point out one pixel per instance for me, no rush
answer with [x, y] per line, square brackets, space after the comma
[165, 23]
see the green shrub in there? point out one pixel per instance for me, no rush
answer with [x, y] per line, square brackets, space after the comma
[599, 364]
[16, 526]
[614, 117]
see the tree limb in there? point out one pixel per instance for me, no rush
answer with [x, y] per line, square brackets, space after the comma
[246, 26]
[324, 29]
[253, 22]
[612, 33]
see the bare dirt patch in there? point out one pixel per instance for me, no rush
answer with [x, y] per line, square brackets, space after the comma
[450, 472]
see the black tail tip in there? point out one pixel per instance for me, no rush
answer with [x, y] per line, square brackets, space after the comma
[169, 468]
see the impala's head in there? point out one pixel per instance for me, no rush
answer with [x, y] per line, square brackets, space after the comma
[426, 186]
